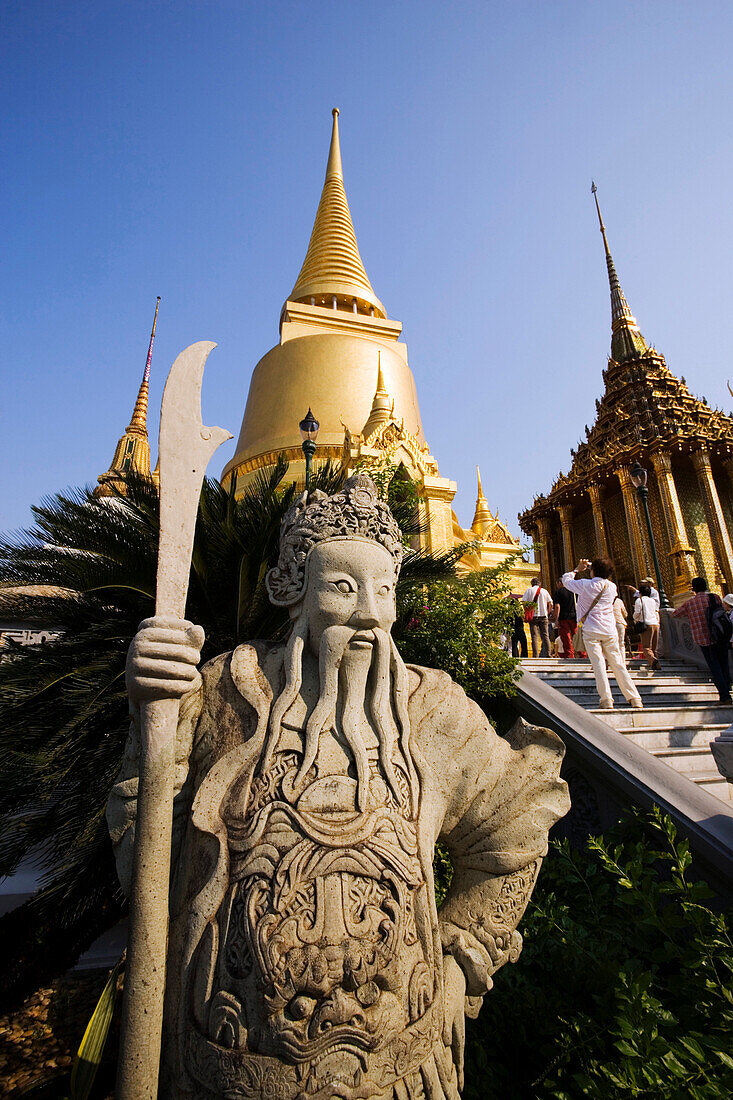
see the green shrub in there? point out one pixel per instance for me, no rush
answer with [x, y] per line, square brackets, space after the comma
[624, 985]
[456, 625]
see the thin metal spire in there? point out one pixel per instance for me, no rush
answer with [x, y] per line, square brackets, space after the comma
[139, 422]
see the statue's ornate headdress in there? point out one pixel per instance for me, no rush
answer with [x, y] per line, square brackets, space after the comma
[355, 511]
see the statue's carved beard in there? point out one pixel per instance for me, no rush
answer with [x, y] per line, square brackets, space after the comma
[348, 688]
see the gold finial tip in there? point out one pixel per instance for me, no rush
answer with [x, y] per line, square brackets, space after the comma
[335, 112]
[593, 186]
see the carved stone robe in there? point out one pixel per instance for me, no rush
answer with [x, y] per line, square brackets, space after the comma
[306, 952]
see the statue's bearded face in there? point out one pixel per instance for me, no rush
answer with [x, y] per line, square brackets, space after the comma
[344, 620]
[351, 585]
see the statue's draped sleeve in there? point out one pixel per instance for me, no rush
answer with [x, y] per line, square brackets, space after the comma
[122, 804]
[491, 801]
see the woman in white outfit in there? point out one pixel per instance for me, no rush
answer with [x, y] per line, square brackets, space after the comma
[595, 613]
[646, 614]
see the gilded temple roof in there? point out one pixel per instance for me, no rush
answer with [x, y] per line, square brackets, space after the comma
[644, 408]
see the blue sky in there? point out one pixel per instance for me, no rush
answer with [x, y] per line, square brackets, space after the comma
[179, 149]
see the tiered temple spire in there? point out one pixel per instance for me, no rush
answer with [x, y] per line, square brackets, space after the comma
[333, 274]
[382, 405]
[132, 453]
[482, 516]
[627, 341]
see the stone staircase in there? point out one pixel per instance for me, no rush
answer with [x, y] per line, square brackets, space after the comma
[681, 714]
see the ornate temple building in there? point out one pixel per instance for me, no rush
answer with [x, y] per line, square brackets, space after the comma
[341, 355]
[649, 415]
[132, 453]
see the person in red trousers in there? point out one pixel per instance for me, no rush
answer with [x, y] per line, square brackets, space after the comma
[564, 615]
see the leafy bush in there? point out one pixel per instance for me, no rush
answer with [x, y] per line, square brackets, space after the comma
[450, 622]
[456, 625]
[624, 985]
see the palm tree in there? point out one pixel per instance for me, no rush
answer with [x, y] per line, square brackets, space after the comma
[87, 567]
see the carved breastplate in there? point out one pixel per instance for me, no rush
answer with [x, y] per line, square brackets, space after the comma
[324, 959]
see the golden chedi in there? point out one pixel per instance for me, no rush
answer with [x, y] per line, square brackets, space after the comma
[341, 355]
[332, 330]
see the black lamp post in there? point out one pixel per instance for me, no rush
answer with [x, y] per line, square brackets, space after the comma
[638, 479]
[309, 430]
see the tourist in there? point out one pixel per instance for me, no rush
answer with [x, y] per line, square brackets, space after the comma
[699, 610]
[519, 635]
[595, 614]
[646, 614]
[654, 593]
[565, 618]
[538, 602]
[620, 614]
[728, 605]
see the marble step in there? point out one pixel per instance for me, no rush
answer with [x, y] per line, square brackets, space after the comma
[674, 737]
[561, 662]
[693, 761]
[563, 680]
[682, 697]
[624, 717]
[713, 783]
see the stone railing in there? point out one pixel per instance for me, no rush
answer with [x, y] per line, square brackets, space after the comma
[607, 773]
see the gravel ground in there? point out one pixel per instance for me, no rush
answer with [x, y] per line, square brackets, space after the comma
[38, 1040]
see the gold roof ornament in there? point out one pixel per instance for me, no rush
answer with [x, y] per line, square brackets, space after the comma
[333, 274]
[627, 341]
[382, 405]
[482, 517]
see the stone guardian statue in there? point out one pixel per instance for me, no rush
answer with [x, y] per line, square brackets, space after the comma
[307, 959]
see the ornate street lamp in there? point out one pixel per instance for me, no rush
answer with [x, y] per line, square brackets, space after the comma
[309, 430]
[638, 479]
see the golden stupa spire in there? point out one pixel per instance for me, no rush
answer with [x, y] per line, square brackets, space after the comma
[132, 453]
[332, 274]
[382, 405]
[626, 339]
[482, 517]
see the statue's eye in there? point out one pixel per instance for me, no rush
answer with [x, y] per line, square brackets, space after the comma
[384, 590]
[343, 586]
[301, 1007]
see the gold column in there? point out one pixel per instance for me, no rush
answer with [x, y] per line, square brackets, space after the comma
[681, 553]
[543, 538]
[437, 495]
[594, 492]
[636, 541]
[565, 511]
[714, 512]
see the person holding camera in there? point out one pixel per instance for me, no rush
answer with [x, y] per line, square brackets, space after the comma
[595, 615]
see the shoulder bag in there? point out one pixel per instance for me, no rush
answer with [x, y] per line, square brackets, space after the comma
[529, 613]
[720, 627]
[578, 637]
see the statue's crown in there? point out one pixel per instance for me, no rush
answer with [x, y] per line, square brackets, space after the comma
[356, 511]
